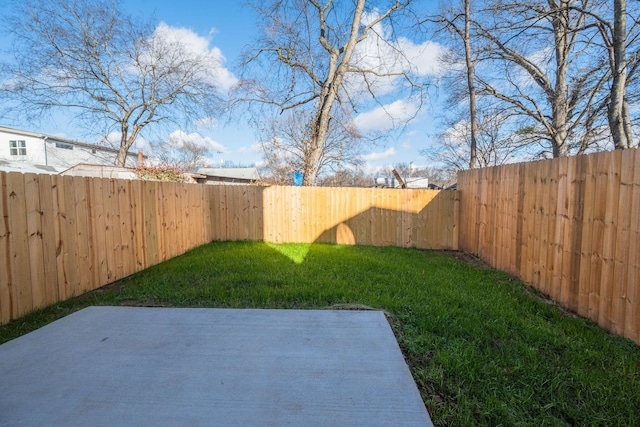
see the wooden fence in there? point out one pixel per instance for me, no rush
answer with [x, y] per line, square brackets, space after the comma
[364, 216]
[63, 236]
[570, 227]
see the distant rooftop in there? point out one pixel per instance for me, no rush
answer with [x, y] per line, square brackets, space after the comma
[248, 174]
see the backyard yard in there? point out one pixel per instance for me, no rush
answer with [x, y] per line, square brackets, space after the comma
[483, 348]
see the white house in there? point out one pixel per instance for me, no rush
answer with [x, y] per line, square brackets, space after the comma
[52, 152]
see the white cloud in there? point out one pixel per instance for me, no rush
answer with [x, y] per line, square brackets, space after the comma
[197, 48]
[207, 123]
[370, 169]
[425, 57]
[384, 55]
[111, 139]
[386, 117]
[175, 141]
[374, 157]
[256, 147]
[458, 131]
[179, 137]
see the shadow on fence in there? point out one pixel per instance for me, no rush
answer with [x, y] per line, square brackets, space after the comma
[63, 236]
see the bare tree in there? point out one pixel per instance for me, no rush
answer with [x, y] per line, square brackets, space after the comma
[347, 177]
[182, 154]
[286, 139]
[616, 39]
[89, 57]
[618, 110]
[276, 170]
[560, 65]
[496, 145]
[308, 59]
[451, 19]
[533, 47]
[470, 62]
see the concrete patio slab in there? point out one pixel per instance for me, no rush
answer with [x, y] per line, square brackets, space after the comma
[106, 366]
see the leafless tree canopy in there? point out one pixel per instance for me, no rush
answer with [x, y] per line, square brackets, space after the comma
[562, 71]
[89, 57]
[183, 155]
[310, 64]
[496, 144]
[285, 144]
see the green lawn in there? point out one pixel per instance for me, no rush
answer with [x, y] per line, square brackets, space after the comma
[483, 348]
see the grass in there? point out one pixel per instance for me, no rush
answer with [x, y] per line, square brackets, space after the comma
[483, 348]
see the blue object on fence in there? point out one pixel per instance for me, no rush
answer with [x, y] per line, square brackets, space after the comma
[297, 179]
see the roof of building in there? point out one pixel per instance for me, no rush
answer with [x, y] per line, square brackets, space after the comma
[249, 174]
[24, 167]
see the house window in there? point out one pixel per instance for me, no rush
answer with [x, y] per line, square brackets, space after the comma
[64, 146]
[18, 148]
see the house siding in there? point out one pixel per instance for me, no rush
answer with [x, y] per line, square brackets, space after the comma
[49, 151]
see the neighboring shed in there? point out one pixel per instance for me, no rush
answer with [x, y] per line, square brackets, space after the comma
[100, 171]
[417, 182]
[414, 182]
[233, 176]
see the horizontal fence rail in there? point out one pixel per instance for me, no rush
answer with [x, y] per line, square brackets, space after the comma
[63, 236]
[570, 227]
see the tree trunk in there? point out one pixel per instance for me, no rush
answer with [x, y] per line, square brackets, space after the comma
[470, 83]
[337, 69]
[616, 108]
[626, 119]
[310, 172]
[559, 104]
[126, 141]
[121, 159]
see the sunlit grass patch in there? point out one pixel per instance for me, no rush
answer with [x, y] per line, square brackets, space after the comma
[295, 252]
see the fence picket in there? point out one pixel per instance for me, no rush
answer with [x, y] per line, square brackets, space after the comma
[19, 260]
[82, 235]
[99, 230]
[34, 240]
[632, 274]
[6, 297]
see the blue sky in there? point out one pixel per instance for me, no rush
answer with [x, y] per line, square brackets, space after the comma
[229, 26]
